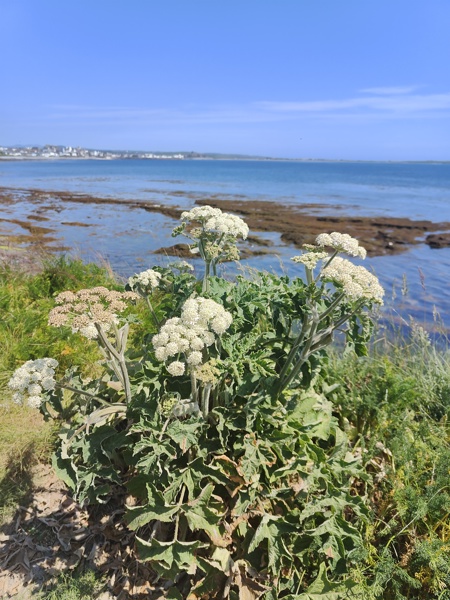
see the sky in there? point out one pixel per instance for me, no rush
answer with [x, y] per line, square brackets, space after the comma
[337, 79]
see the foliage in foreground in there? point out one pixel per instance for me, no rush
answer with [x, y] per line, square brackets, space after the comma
[256, 479]
[396, 405]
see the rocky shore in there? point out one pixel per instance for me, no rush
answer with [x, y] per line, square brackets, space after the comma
[296, 225]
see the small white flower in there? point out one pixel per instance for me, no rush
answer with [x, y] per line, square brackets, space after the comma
[34, 401]
[172, 348]
[90, 331]
[147, 280]
[194, 358]
[161, 353]
[34, 389]
[176, 368]
[196, 343]
[48, 383]
[220, 324]
[24, 381]
[214, 220]
[17, 398]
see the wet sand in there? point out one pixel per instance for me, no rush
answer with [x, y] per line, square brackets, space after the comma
[297, 225]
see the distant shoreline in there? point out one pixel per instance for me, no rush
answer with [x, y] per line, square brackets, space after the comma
[224, 159]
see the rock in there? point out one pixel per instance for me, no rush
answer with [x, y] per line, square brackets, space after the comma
[438, 240]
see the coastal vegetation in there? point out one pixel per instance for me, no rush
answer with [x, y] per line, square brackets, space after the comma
[251, 438]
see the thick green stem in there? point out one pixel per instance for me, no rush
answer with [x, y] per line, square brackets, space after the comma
[63, 386]
[205, 399]
[194, 388]
[205, 285]
[332, 306]
[177, 519]
[117, 358]
[295, 346]
[302, 359]
[152, 312]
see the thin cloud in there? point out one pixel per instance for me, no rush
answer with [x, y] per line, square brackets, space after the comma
[389, 91]
[408, 104]
[394, 105]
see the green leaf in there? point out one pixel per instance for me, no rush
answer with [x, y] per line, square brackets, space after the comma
[272, 529]
[258, 456]
[64, 469]
[200, 517]
[313, 412]
[323, 589]
[155, 510]
[184, 433]
[170, 558]
[192, 476]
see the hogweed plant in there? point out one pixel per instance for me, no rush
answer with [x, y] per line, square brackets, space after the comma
[243, 485]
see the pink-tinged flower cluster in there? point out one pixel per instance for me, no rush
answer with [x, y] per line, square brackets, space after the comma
[84, 309]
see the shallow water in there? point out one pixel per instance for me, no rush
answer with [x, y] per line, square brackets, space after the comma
[127, 238]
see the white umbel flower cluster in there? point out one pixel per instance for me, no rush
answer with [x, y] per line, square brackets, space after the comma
[32, 379]
[342, 242]
[146, 281]
[185, 337]
[356, 281]
[213, 220]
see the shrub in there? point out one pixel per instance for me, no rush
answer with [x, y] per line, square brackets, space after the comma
[243, 482]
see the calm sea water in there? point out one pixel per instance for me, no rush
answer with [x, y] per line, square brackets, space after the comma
[417, 191]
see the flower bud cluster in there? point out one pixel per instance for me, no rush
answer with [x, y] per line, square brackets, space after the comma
[181, 265]
[356, 282]
[310, 259]
[83, 309]
[185, 337]
[146, 280]
[32, 379]
[342, 242]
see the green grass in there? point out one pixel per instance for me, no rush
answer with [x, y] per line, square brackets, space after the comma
[25, 301]
[396, 405]
[75, 586]
[25, 440]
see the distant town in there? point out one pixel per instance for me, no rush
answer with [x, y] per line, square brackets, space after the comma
[53, 152]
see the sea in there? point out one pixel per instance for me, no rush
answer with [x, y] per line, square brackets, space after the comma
[416, 282]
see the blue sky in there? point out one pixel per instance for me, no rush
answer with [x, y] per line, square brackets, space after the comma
[351, 79]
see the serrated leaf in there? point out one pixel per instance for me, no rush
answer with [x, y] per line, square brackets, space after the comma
[184, 433]
[323, 589]
[271, 530]
[155, 510]
[257, 458]
[200, 517]
[64, 470]
[170, 558]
